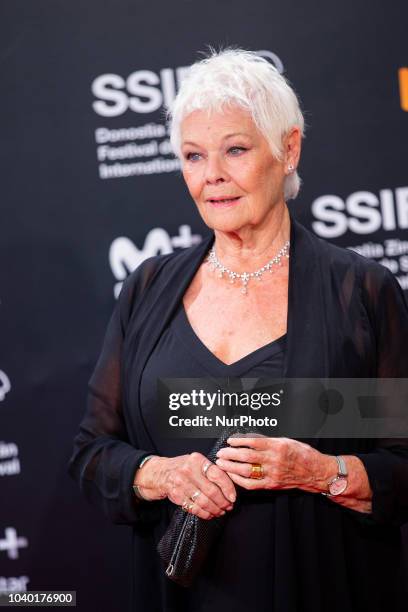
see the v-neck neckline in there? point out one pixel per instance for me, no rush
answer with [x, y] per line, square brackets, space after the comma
[206, 357]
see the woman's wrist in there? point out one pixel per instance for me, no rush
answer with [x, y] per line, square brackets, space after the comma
[358, 493]
[148, 478]
[324, 468]
[136, 488]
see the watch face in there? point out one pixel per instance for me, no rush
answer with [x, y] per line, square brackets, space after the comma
[338, 485]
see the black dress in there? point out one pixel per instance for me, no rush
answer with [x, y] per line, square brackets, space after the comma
[230, 579]
[279, 550]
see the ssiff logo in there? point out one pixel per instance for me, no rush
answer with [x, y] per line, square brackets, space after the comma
[403, 86]
[145, 91]
[4, 385]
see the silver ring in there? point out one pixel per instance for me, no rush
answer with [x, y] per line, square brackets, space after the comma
[206, 467]
[195, 495]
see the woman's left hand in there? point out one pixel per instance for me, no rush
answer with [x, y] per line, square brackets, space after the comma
[286, 464]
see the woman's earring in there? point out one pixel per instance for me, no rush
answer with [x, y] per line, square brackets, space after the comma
[291, 168]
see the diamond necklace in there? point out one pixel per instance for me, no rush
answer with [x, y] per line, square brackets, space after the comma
[215, 264]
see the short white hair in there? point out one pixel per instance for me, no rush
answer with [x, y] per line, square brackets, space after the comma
[239, 77]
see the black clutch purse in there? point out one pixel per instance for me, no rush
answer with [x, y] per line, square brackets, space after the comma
[188, 539]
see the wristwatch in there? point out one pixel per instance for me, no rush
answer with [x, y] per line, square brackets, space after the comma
[136, 489]
[338, 484]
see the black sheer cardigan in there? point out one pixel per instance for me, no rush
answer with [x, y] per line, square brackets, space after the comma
[347, 317]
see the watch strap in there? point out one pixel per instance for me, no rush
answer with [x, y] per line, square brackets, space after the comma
[342, 466]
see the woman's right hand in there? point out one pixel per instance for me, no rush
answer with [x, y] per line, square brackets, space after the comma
[178, 478]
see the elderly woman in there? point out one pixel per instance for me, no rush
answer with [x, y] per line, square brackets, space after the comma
[260, 296]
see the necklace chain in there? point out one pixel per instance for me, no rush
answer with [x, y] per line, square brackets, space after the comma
[216, 265]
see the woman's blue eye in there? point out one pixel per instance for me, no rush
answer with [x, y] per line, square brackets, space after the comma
[235, 151]
[192, 156]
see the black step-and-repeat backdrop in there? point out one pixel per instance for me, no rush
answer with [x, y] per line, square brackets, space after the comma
[89, 188]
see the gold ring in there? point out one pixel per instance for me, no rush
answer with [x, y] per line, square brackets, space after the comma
[257, 471]
[187, 506]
